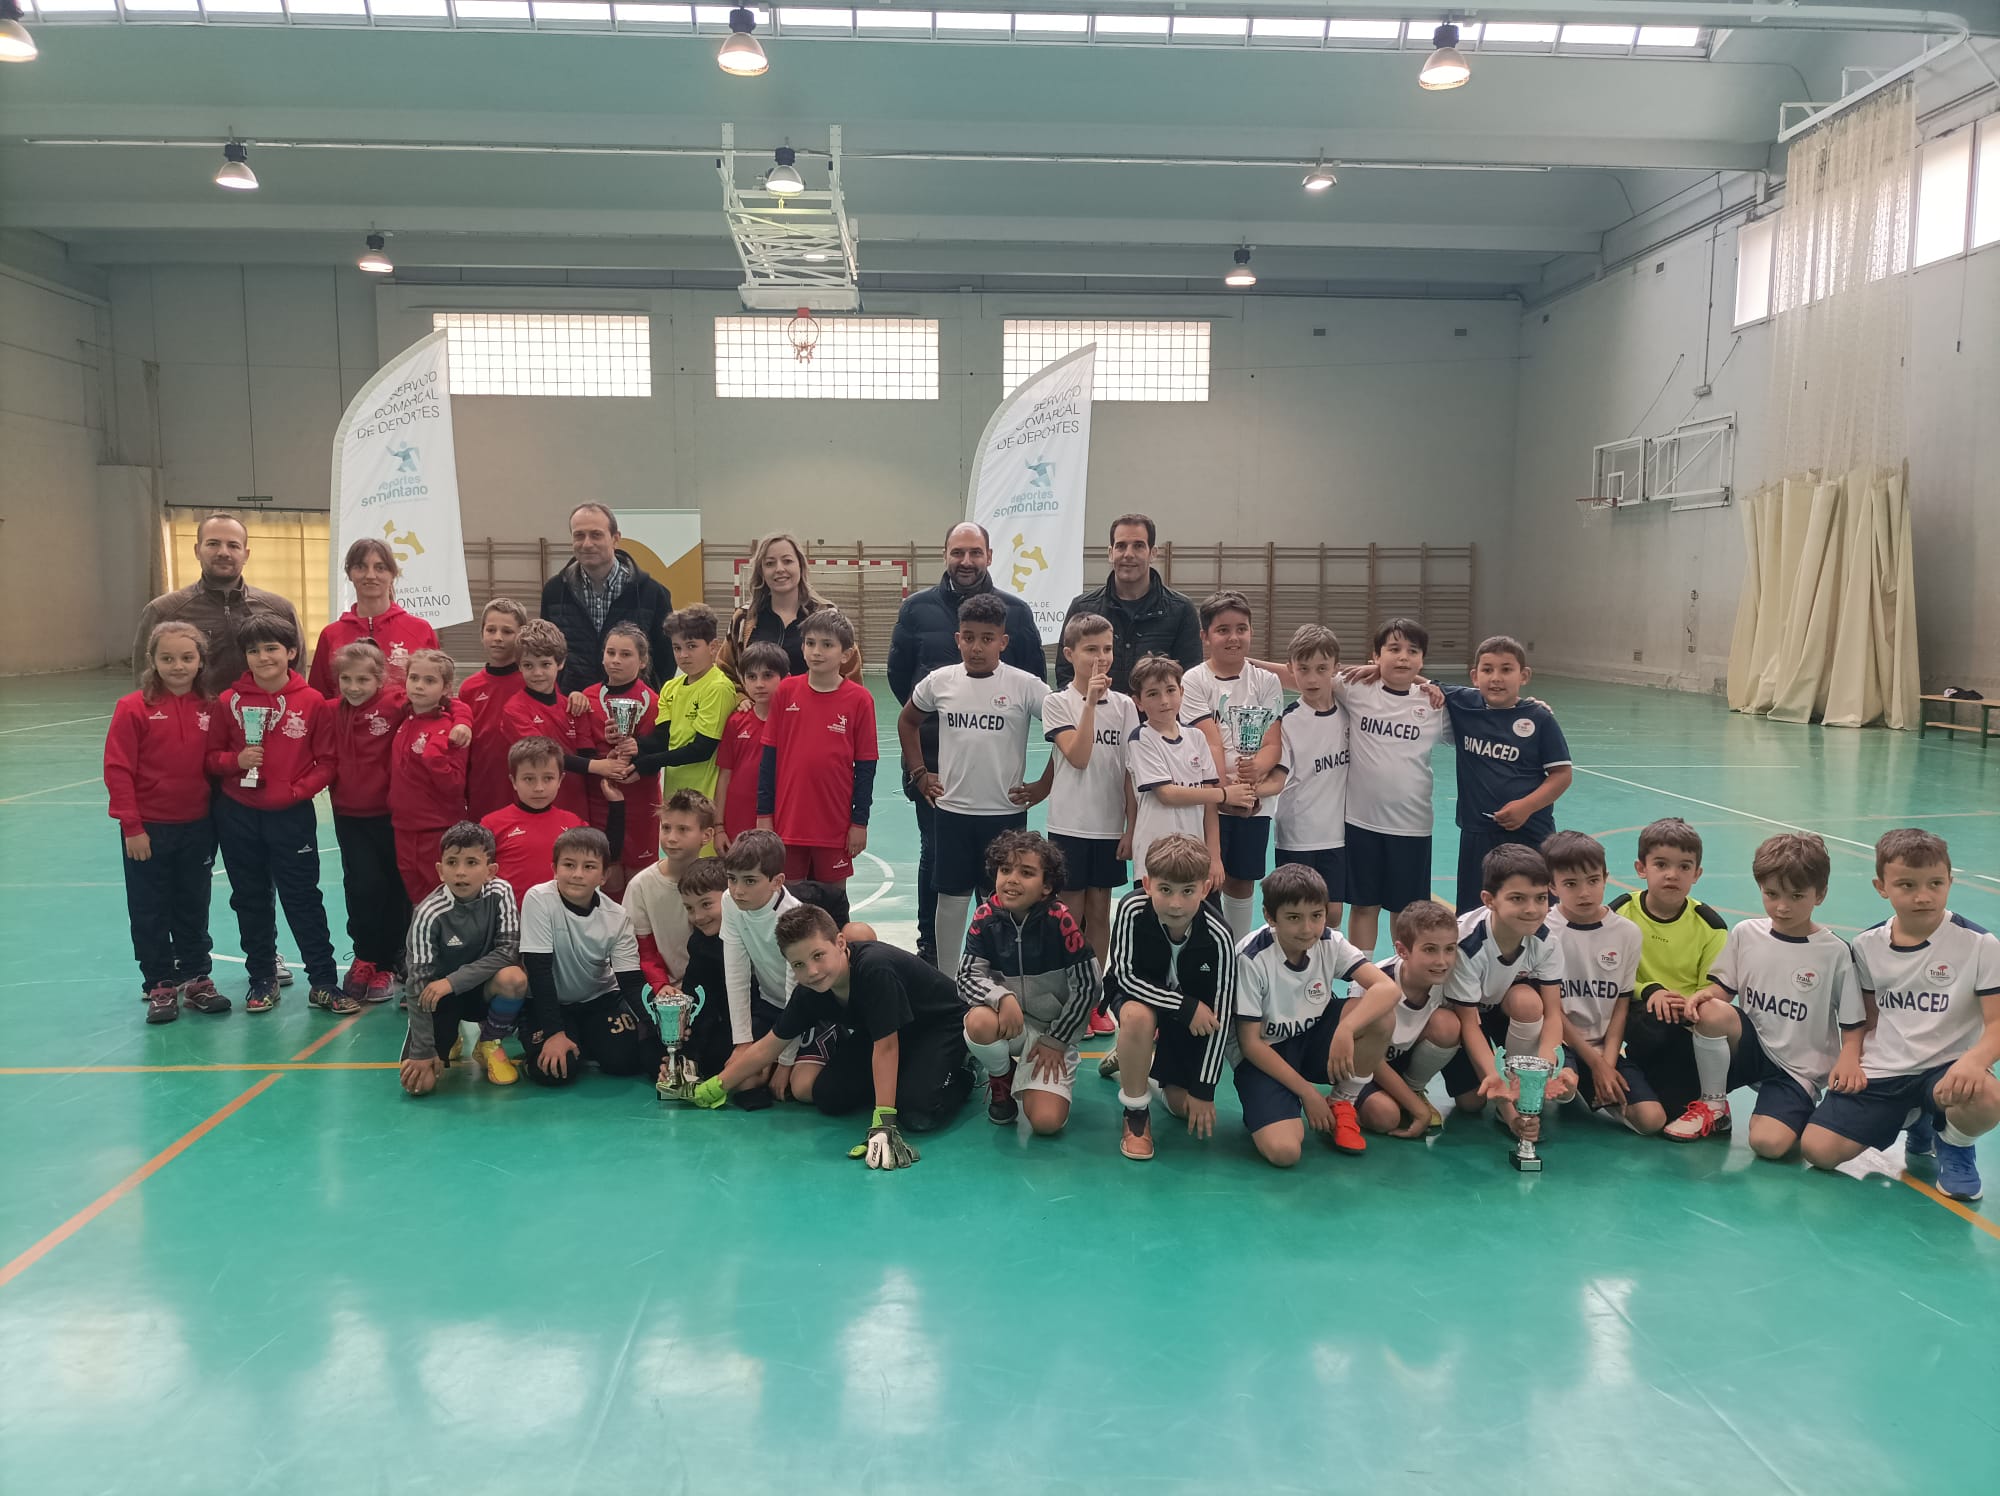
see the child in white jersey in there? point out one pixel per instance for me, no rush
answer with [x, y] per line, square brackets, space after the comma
[1424, 1033]
[1777, 1000]
[1933, 979]
[1393, 723]
[1174, 779]
[1311, 814]
[1600, 960]
[1091, 806]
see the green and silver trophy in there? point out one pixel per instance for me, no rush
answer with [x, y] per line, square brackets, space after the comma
[1532, 1074]
[624, 714]
[678, 1076]
[255, 720]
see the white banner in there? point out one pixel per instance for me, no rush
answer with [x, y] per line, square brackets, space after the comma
[395, 478]
[1027, 487]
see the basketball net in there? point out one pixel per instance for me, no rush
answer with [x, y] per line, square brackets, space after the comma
[804, 333]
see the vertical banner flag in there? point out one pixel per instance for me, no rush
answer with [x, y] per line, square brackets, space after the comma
[395, 478]
[1028, 483]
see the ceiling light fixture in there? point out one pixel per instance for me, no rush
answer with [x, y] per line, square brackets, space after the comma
[817, 256]
[742, 54]
[373, 260]
[1320, 177]
[15, 43]
[1446, 67]
[235, 170]
[1241, 274]
[784, 178]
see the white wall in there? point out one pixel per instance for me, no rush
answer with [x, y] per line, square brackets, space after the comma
[1648, 595]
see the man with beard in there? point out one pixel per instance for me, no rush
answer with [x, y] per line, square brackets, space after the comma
[218, 603]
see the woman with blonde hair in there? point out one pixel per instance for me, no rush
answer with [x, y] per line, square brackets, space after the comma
[780, 600]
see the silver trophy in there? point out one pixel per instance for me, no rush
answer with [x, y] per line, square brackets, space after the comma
[1532, 1074]
[678, 1076]
[624, 714]
[254, 719]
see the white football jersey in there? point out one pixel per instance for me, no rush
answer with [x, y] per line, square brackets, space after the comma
[1482, 975]
[1390, 735]
[1927, 996]
[1311, 814]
[1244, 707]
[1797, 991]
[1600, 964]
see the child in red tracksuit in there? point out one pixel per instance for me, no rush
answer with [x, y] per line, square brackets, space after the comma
[487, 693]
[267, 830]
[426, 774]
[156, 768]
[626, 654]
[366, 714]
[542, 711]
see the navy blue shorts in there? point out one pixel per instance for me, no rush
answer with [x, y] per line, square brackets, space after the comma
[1330, 863]
[1387, 872]
[1460, 1075]
[1265, 1100]
[1882, 1109]
[1092, 862]
[1636, 1086]
[1246, 846]
[959, 849]
[1779, 1095]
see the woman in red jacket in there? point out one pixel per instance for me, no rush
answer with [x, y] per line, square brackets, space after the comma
[371, 568]
[426, 773]
[154, 767]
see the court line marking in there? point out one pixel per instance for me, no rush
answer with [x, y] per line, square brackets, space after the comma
[132, 1181]
[882, 890]
[283, 1066]
[30, 794]
[44, 726]
[1957, 1207]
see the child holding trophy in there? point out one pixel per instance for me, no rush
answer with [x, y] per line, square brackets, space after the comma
[694, 707]
[619, 707]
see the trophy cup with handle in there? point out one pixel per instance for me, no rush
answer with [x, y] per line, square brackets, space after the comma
[679, 1076]
[1532, 1074]
[624, 714]
[254, 719]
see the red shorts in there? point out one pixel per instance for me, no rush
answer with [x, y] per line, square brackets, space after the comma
[417, 856]
[820, 864]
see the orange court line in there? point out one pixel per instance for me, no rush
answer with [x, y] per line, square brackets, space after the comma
[328, 1037]
[277, 1065]
[131, 1182]
[1957, 1207]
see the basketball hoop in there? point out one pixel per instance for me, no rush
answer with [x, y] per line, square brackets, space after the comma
[1590, 503]
[803, 331]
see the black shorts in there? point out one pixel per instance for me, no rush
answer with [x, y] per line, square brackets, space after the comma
[1664, 1052]
[1177, 1052]
[1264, 1099]
[1246, 846]
[1873, 1116]
[1779, 1094]
[1460, 1075]
[1385, 871]
[1091, 861]
[959, 850]
[933, 1075]
[1329, 862]
[1637, 1088]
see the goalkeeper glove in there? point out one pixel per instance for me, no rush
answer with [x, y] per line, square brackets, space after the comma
[710, 1094]
[885, 1148]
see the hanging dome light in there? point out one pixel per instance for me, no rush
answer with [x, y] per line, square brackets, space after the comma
[373, 260]
[784, 178]
[1241, 274]
[1320, 177]
[742, 54]
[235, 170]
[1446, 67]
[15, 43]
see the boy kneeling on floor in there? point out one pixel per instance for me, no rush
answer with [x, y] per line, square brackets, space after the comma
[463, 963]
[902, 1041]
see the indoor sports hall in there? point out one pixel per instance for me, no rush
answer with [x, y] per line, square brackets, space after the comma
[1654, 341]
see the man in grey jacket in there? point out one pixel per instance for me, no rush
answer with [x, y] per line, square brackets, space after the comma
[218, 603]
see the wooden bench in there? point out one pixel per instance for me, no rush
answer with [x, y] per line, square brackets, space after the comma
[1983, 728]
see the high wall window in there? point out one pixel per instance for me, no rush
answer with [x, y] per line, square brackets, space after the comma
[1944, 180]
[1755, 243]
[853, 358]
[1135, 360]
[548, 353]
[1986, 188]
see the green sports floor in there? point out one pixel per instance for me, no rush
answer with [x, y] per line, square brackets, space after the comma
[234, 1258]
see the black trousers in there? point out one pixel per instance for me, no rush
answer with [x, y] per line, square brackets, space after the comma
[166, 898]
[453, 1009]
[608, 1031]
[378, 906]
[1472, 849]
[263, 849]
[933, 1076]
[926, 876]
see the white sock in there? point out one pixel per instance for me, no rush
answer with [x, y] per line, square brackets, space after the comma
[1953, 1136]
[1711, 1063]
[1349, 1090]
[953, 911]
[1241, 914]
[1135, 1103]
[1426, 1059]
[1523, 1038]
[996, 1058]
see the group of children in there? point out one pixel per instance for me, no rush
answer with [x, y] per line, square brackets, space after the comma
[680, 866]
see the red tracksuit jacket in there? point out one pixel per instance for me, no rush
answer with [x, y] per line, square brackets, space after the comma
[398, 633]
[525, 717]
[156, 760]
[527, 841]
[487, 693]
[298, 743]
[363, 738]
[642, 794]
[426, 774]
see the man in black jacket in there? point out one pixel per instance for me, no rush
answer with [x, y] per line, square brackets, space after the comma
[926, 639]
[1147, 616]
[602, 586]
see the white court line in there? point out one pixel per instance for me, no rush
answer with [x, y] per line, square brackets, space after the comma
[883, 890]
[73, 784]
[40, 726]
[1701, 766]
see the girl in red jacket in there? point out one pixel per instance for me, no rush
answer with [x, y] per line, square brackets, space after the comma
[266, 828]
[626, 656]
[155, 768]
[372, 571]
[426, 773]
[365, 717]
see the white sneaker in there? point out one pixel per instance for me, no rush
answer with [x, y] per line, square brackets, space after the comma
[284, 973]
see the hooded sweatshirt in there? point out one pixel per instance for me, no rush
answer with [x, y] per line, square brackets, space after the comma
[156, 760]
[399, 634]
[298, 743]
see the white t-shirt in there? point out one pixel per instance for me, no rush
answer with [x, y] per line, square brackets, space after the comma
[653, 900]
[1290, 999]
[1153, 761]
[589, 949]
[982, 734]
[1311, 813]
[1410, 1019]
[750, 954]
[1600, 964]
[1482, 975]
[1089, 802]
[1390, 735]
[1927, 997]
[1797, 991]
[1244, 707]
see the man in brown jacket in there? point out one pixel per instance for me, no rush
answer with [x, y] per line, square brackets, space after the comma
[218, 604]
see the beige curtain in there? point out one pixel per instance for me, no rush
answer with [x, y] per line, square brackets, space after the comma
[1826, 623]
